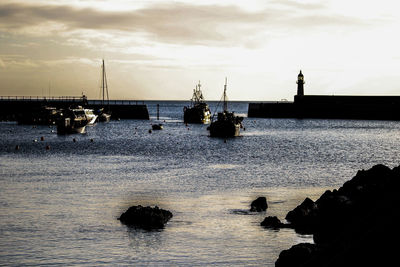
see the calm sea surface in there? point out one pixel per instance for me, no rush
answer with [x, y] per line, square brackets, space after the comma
[60, 206]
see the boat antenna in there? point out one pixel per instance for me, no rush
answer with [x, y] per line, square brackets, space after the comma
[225, 102]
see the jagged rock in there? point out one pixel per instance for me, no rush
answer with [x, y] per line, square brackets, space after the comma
[146, 217]
[296, 255]
[260, 204]
[303, 217]
[355, 225]
[272, 222]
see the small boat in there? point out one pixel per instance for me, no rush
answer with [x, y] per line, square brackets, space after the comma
[157, 126]
[44, 115]
[198, 111]
[227, 124]
[91, 117]
[73, 120]
[103, 116]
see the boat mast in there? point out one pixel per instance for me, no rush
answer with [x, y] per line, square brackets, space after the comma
[104, 84]
[102, 81]
[225, 102]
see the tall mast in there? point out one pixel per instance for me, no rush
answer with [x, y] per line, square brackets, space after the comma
[104, 84]
[102, 80]
[225, 103]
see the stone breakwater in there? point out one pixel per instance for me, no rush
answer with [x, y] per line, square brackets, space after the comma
[356, 225]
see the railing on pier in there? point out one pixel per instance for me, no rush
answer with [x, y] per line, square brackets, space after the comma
[70, 99]
[42, 98]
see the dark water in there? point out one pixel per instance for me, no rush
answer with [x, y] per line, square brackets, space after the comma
[60, 206]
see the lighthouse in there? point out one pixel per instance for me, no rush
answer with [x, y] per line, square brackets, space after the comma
[300, 84]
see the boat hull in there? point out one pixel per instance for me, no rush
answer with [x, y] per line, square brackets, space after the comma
[224, 129]
[197, 115]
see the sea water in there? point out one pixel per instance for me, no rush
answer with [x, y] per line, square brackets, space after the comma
[60, 206]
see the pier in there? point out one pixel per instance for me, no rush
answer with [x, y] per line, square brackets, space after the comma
[345, 107]
[12, 107]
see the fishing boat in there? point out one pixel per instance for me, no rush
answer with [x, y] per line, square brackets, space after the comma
[104, 113]
[227, 124]
[198, 111]
[73, 120]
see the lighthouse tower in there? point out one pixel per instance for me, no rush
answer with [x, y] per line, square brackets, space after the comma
[300, 84]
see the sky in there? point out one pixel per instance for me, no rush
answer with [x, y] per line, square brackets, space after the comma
[159, 50]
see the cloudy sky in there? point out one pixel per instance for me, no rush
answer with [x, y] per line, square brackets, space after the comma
[157, 49]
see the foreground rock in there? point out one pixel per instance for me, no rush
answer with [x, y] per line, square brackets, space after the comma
[273, 222]
[260, 204]
[146, 217]
[355, 225]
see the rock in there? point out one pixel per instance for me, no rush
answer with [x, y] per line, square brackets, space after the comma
[355, 225]
[303, 217]
[260, 204]
[296, 255]
[272, 222]
[146, 217]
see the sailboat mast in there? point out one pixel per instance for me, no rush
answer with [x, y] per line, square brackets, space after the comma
[102, 80]
[225, 102]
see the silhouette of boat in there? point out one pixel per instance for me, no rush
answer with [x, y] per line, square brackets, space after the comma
[43, 115]
[157, 126]
[198, 111]
[227, 124]
[73, 120]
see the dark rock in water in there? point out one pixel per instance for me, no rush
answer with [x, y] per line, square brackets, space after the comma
[355, 225]
[146, 217]
[297, 255]
[260, 204]
[303, 217]
[273, 222]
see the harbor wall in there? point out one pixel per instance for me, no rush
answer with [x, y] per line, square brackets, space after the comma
[13, 108]
[331, 107]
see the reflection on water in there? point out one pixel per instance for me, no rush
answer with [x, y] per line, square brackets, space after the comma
[60, 206]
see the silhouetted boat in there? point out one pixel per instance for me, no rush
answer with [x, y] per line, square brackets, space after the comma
[104, 113]
[73, 120]
[227, 124]
[41, 116]
[157, 126]
[198, 111]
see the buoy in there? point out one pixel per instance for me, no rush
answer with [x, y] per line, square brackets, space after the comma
[42, 138]
[74, 140]
[34, 140]
[47, 147]
[17, 147]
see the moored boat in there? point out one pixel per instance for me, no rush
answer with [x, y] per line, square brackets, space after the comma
[157, 126]
[73, 120]
[91, 117]
[198, 111]
[44, 115]
[227, 124]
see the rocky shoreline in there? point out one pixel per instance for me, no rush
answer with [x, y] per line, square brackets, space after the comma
[356, 225]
